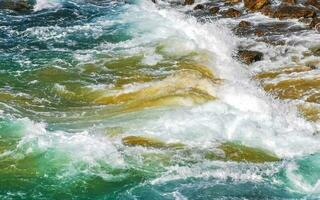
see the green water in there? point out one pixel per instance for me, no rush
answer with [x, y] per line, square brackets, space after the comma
[78, 77]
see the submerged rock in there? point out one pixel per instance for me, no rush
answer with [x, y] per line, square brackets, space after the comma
[282, 71]
[16, 5]
[249, 57]
[149, 142]
[299, 88]
[310, 112]
[239, 153]
[226, 151]
[255, 4]
[315, 50]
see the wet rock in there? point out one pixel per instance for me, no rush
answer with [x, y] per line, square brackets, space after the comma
[16, 5]
[149, 142]
[259, 33]
[314, 3]
[315, 23]
[199, 7]
[214, 10]
[143, 141]
[289, 2]
[233, 1]
[255, 4]
[244, 24]
[240, 153]
[315, 50]
[299, 88]
[282, 71]
[287, 11]
[249, 57]
[231, 12]
[188, 2]
[269, 30]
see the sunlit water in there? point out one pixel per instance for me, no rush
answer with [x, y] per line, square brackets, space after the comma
[79, 76]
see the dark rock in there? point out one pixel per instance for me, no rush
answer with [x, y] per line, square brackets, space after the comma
[286, 11]
[214, 10]
[244, 24]
[188, 2]
[249, 57]
[314, 3]
[231, 12]
[16, 5]
[289, 2]
[314, 22]
[255, 4]
[199, 7]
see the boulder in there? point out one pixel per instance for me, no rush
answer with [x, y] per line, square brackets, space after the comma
[231, 12]
[255, 4]
[249, 57]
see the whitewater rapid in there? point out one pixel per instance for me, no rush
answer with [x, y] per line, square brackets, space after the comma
[85, 141]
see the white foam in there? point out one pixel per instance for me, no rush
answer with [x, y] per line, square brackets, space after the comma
[46, 4]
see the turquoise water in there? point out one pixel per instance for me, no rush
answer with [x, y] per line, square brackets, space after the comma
[78, 77]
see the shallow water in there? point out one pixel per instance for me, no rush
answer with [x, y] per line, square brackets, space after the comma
[77, 77]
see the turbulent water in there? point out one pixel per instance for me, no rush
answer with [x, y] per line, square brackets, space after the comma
[78, 76]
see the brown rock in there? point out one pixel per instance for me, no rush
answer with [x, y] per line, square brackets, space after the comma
[315, 23]
[244, 24]
[286, 11]
[255, 4]
[259, 33]
[214, 10]
[249, 57]
[188, 2]
[231, 12]
[233, 1]
[199, 7]
[314, 3]
[267, 10]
